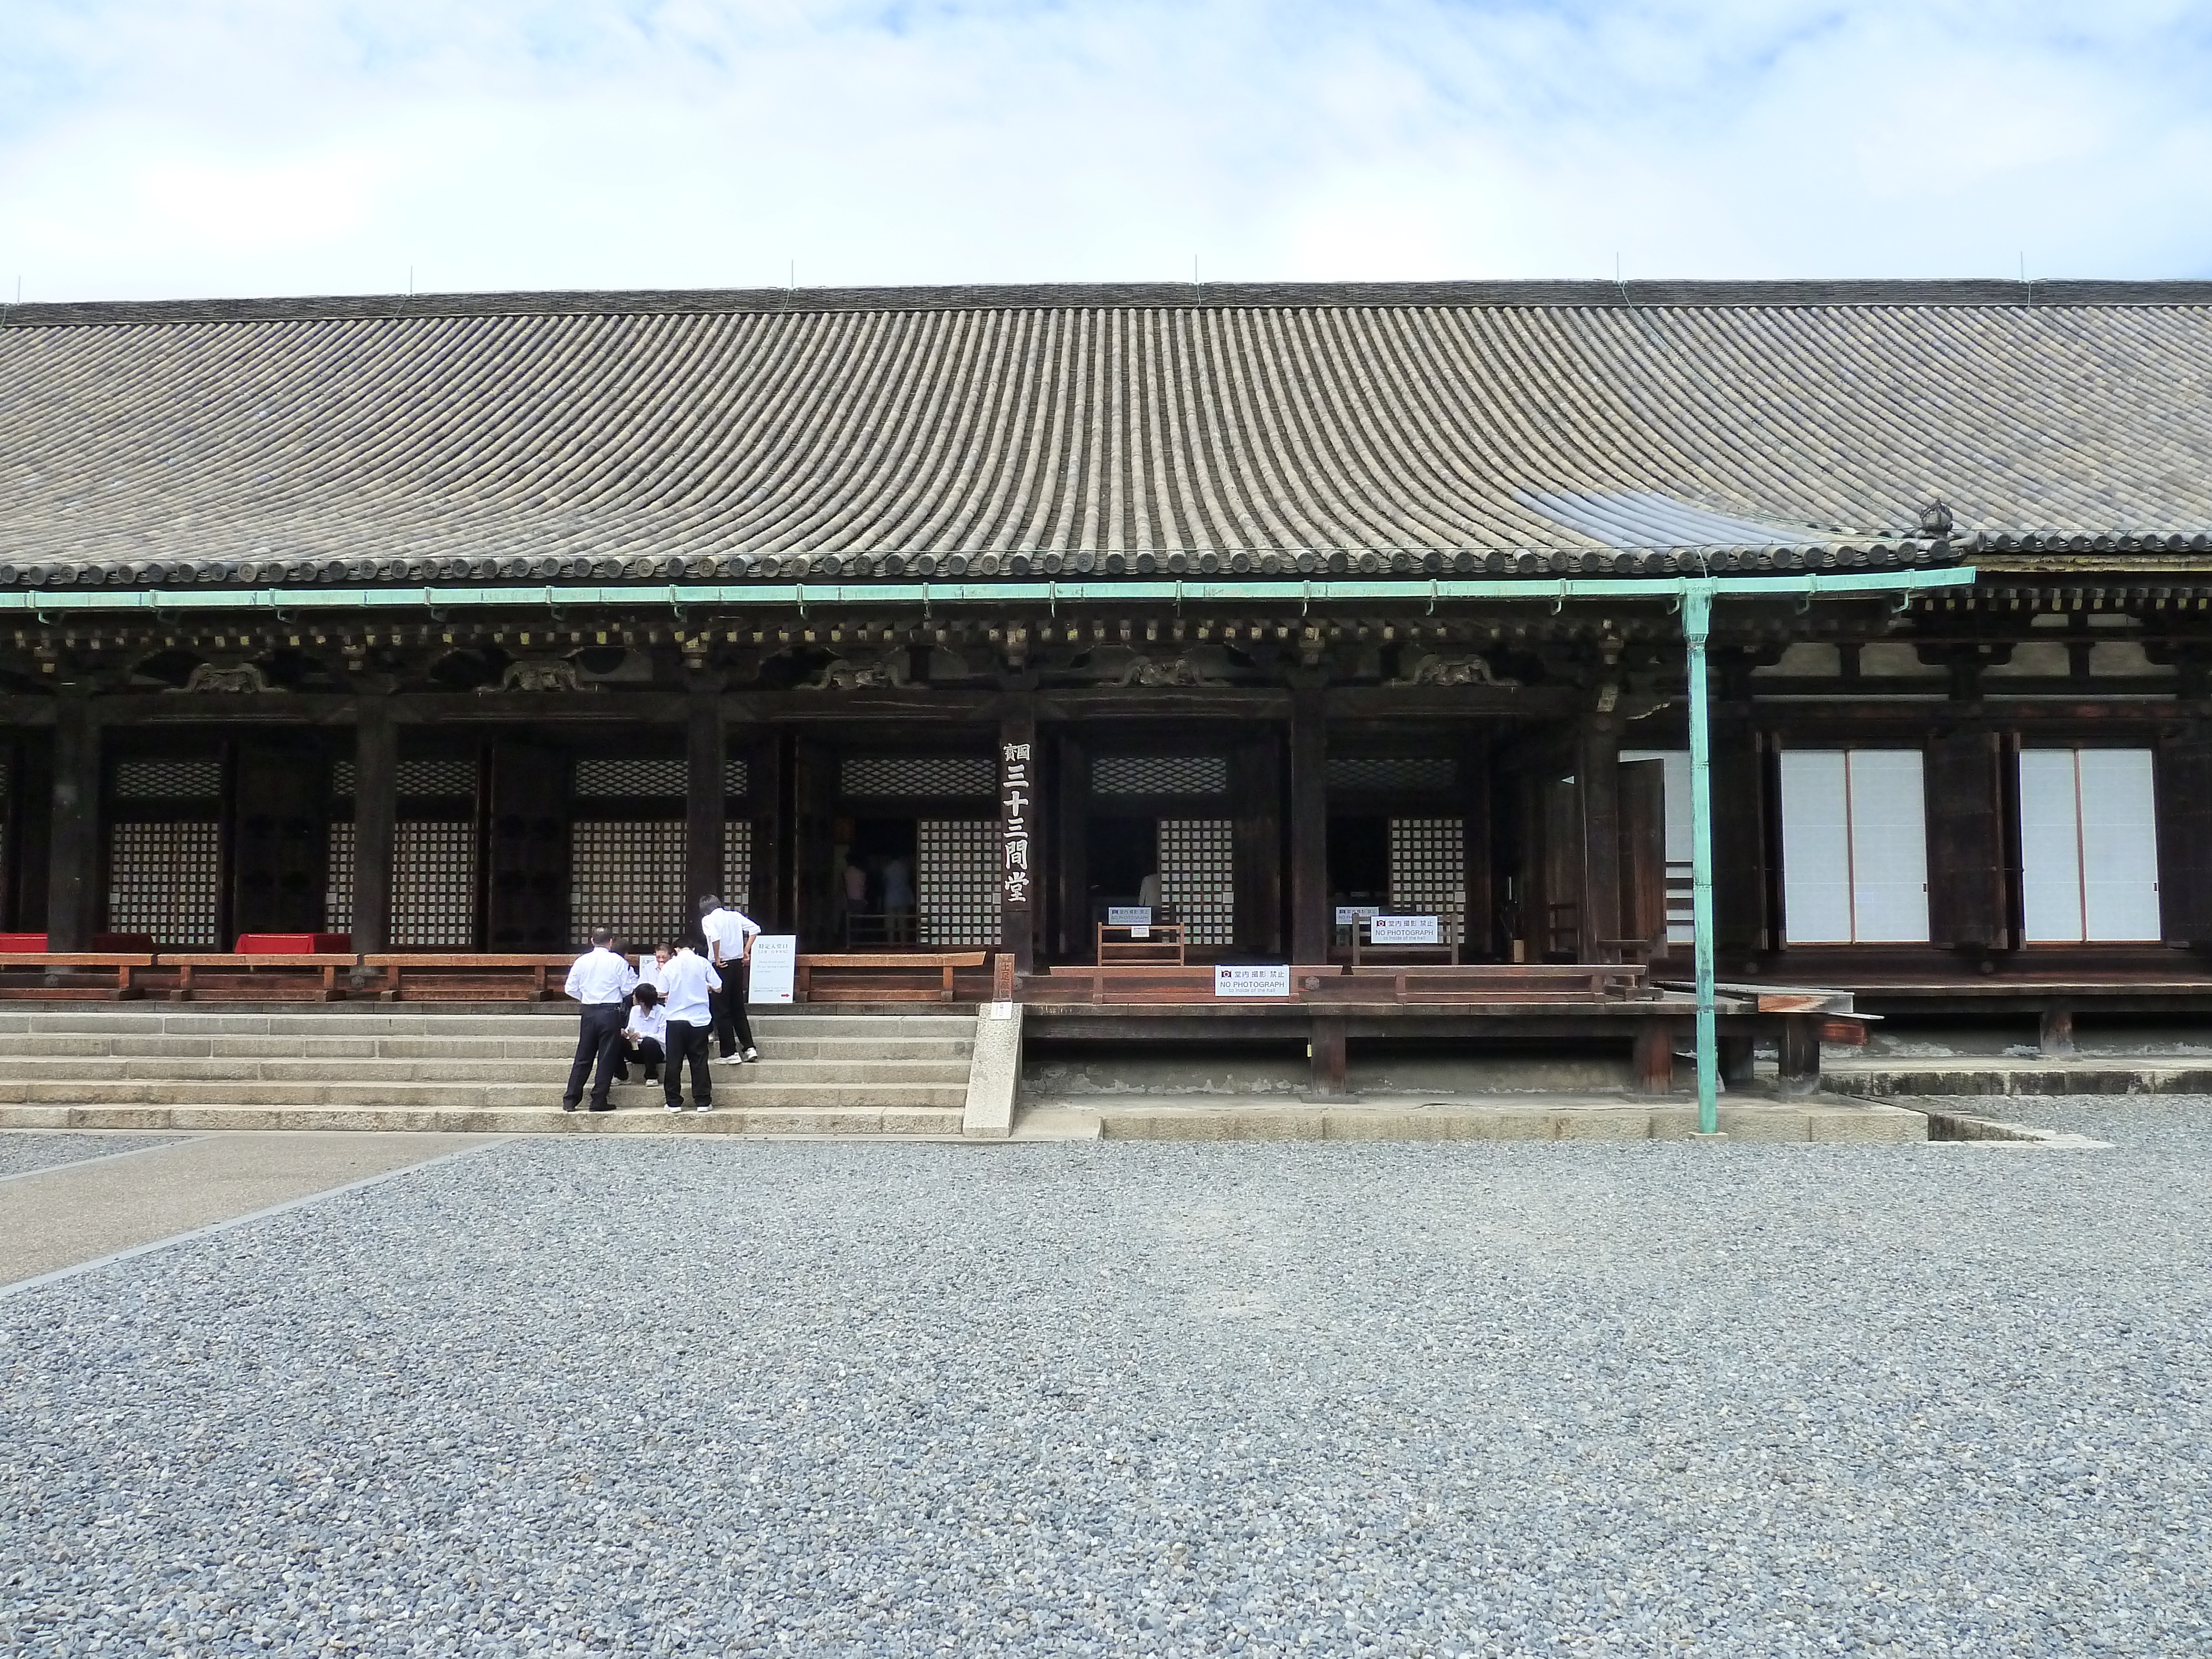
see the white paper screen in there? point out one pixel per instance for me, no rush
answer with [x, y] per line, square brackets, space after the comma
[1675, 788]
[1816, 854]
[1854, 846]
[2089, 845]
[2050, 847]
[1889, 846]
[2119, 845]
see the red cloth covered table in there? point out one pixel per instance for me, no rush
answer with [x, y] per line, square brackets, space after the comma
[294, 944]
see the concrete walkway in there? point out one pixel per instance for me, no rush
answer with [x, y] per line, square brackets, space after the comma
[72, 1213]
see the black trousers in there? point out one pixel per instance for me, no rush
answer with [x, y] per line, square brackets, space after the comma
[687, 1041]
[646, 1052]
[732, 1030]
[598, 1051]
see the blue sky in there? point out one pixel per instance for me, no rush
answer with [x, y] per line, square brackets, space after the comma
[152, 147]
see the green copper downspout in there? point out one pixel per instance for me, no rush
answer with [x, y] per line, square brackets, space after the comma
[1697, 622]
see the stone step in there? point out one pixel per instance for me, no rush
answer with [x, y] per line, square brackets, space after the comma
[154, 1020]
[539, 1070]
[730, 1084]
[107, 1045]
[726, 1119]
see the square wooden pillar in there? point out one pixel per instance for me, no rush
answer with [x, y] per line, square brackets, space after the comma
[1311, 921]
[74, 853]
[704, 757]
[375, 816]
[1597, 788]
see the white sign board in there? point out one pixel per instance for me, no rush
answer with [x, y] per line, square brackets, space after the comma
[1404, 930]
[1252, 981]
[1128, 915]
[775, 961]
[1351, 915]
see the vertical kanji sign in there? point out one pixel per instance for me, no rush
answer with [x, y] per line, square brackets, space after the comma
[1016, 799]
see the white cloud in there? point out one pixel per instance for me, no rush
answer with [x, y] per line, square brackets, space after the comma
[179, 147]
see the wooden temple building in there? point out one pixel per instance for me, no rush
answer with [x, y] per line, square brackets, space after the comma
[955, 618]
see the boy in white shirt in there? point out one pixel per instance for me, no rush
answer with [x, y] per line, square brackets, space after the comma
[686, 983]
[730, 934]
[645, 1039]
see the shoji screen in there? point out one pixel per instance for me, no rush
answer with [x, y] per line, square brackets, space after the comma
[1677, 762]
[2088, 843]
[1854, 846]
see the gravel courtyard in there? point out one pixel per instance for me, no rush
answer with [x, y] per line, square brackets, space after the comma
[687, 1396]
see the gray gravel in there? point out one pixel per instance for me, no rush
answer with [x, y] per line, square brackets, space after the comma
[600, 1396]
[22, 1150]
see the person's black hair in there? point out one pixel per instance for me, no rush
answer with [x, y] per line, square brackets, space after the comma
[647, 996]
[603, 936]
[708, 901]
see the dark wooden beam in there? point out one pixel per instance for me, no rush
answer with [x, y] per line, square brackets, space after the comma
[375, 814]
[704, 750]
[74, 860]
[1310, 918]
[1597, 792]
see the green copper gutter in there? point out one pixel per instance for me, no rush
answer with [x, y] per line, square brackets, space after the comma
[1693, 595]
[755, 596]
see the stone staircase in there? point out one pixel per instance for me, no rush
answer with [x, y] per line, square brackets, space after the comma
[376, 1068]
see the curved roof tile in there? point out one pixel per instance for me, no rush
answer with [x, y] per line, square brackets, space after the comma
[900, 433]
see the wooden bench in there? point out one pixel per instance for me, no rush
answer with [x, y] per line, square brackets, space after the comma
[440, 976]
[886, 976]
[1155, 944]
[256, 976]
[73, 976]
[1498, 982]
[1161, 983]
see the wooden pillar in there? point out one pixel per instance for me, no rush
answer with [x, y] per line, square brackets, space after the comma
[1257, 782]
[767, 788]
[1654, 1069]
[1800, 1054]
[1329, 1057]
[1597, 785]
[1741, 908]
[1968, 905]
[703, 759]
[1020, 840]
[1071, 850]
[1311, 920]
[2055, 1032]
[2185, 835]
[1738, 1061]
[375, 816]
[74, 861]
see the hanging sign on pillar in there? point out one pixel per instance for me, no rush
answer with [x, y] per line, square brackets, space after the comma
[1017, 794]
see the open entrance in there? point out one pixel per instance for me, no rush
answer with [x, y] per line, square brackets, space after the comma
[874, 864]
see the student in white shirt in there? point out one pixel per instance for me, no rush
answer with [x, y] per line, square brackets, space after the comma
[645, 1039]
[729, 935]
[648, 968]
[601, 982]
[686, 984]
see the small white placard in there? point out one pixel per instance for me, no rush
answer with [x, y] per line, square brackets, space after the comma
[775, 958]
[1002, 1010]
[1252, 981]
[1128, 915]
[1404, 930]
[1351, 915]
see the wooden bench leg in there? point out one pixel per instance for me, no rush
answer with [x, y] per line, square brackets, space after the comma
[947, 997]
[2055, 1038]
[1800, 1054]
[1329, 1055]
[1654, 1070]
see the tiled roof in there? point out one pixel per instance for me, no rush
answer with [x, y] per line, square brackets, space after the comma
[973, 432]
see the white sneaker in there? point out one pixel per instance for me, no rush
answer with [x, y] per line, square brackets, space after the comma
[731, 1059]
[751, 1055]
[675, 1109]
[708, 1106]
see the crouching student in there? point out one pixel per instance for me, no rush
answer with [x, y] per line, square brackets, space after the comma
[645, 1039]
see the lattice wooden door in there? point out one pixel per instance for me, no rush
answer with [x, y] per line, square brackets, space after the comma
[1198, 877]
[956, 880]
